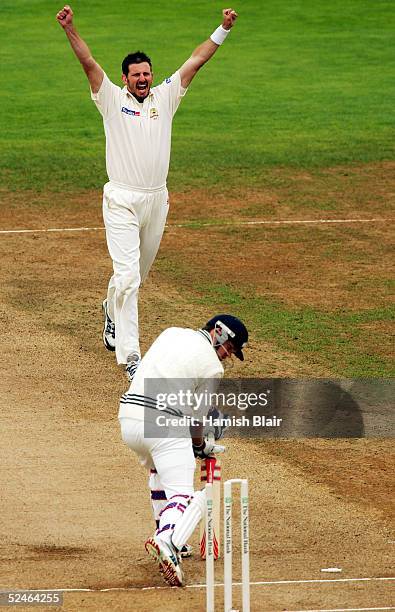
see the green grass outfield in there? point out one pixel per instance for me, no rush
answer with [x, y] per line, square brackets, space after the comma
[301, 83]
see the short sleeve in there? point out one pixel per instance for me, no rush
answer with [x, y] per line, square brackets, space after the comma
[172, 91]
[106, 98]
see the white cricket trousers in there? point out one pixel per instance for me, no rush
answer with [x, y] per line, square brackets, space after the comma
[174, 463]
[134, 222]
[172, 458]
[174, 466]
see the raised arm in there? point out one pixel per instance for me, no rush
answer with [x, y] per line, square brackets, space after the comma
[92, 69]
[207, 49]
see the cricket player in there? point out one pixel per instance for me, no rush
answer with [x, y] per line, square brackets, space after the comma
[137, 123]
[180, 361]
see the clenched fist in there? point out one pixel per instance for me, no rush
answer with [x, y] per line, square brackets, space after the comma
[230, 17]
[65, 16]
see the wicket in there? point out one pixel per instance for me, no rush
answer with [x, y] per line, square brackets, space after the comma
[245, 561]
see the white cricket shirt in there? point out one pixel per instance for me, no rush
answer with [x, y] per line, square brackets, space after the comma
[138, 135]
[183, 359]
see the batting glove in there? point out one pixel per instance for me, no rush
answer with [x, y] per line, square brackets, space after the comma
[207, 448]
[216, 430]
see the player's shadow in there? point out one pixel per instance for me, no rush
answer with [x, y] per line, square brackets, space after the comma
[316, 409]
[303, 408]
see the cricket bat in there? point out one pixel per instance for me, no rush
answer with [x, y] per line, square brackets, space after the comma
[210, 471]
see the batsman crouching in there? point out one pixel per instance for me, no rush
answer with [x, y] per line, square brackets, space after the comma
[190, 358]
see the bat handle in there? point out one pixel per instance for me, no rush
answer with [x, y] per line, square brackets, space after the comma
[210, 467]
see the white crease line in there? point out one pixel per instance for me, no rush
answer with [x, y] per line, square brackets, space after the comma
[217, 584]
[342, 610]
[282, 222]
[52, 229]
[197, 225]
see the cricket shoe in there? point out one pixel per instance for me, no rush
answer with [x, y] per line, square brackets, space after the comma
[108, 330]
[186, 551]
[166, 555]
[132, 364]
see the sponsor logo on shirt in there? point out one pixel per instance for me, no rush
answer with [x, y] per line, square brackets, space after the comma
[129, 111]
[168, 80]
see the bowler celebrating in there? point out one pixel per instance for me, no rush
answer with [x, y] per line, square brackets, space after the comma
[137, 123]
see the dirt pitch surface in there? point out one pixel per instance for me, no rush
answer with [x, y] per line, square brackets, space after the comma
[75, 510]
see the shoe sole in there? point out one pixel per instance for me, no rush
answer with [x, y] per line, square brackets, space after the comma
[166, 568]
[108, 346]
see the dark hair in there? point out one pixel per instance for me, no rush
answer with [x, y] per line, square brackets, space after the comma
[134, 58]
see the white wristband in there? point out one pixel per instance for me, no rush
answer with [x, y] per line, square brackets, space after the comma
[219, 35]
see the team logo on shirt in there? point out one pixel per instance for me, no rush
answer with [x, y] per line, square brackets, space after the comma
[153, 113]
[129, 111]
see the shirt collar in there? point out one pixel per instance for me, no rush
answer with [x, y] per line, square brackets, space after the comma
[206, 335]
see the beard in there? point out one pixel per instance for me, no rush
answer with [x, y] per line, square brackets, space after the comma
[140, 98]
